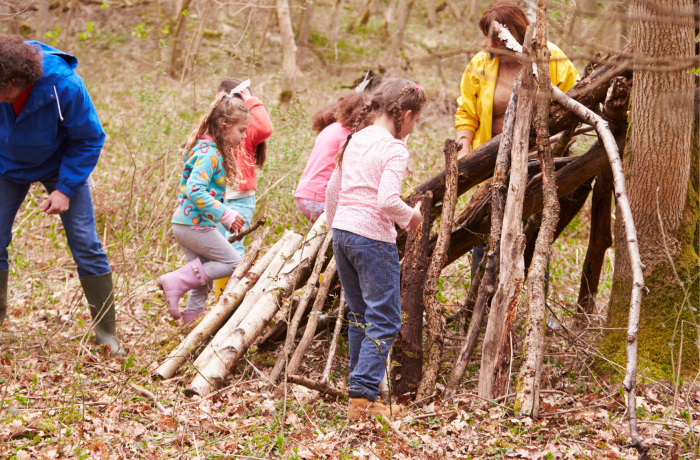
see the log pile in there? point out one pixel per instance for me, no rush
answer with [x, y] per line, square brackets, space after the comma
[494, 215]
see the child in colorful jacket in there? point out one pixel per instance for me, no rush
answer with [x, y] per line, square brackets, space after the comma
[209, 163]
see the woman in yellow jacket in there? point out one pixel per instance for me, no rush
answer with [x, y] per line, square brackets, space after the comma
[488, 81]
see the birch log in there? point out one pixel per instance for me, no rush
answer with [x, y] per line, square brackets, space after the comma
[495, 358]
[487, 284]
[433, 306]
[606, 136]
[230, 299]
[528, 395]
[289, 244]
[230, 351]
[301, 309]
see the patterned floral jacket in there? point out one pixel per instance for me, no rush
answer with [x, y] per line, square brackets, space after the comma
[202, 187]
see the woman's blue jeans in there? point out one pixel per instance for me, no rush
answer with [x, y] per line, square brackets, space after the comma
[78, 223]
[369, 273]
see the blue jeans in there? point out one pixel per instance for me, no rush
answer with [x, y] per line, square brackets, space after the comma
[369, 273]
[78, 223]
[246, 208]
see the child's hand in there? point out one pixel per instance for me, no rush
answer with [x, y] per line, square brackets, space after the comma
[237, 225]
[245, 94]
[416, 219]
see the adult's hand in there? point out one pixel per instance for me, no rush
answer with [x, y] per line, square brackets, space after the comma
[465, 138]
[56, 203]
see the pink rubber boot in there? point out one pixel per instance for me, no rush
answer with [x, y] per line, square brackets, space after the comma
[175, 284]
[189, 316]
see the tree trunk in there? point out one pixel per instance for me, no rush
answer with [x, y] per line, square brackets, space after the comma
[289, 244]
[179, 33]
[495, 358]
[335, 23]
[434, 307]
[44, 15]
[660, 165]
[405, 7]
[304, 31]
[230, 299]
[528, 394]
[432, 14]
[599, 241]
[289, 53]
[487, 283]
[408, 347]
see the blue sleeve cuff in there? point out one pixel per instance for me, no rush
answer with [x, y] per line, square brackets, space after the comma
[63, 188]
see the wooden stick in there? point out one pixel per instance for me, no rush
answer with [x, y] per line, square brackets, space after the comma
[606, 136]
[230, 299]
[321, 387]
[151, 396]
[247, 231]
[328, 278]
[528, 395]
[487, 285]
[233, 348]
[334, 343]
[495, 358]
[408, 347]
[433, 306]
[289, 242]
[599, 241]
[301, 309]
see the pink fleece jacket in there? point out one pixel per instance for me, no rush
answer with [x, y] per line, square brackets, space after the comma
[259, 129]
[313, 182]
[364, 197]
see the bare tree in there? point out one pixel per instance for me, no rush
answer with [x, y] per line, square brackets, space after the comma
[289, 52]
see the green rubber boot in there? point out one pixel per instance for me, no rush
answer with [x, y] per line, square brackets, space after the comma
[3, 294]
[100, 296]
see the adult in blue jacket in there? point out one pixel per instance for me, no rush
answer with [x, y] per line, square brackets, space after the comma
[50, 133]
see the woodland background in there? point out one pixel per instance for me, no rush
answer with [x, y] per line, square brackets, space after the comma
[151, 67]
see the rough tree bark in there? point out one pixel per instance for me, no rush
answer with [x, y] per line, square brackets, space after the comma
[487, 284]
[495, 358]
[408, 347]
[599, 241]
[528, 389]
[433, 306]
[661, 157]
[289, 52]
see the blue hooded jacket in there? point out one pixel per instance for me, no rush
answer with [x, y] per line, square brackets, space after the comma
[57, 132]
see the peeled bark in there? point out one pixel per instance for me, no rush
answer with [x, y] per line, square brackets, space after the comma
[408, 347]
[495, 358]
[230, 299]
[230, 351]
[599, 241]
[328, 277]
[487, 284]
[528, 395]
[289, 243]
[301, 309]
[433, 306]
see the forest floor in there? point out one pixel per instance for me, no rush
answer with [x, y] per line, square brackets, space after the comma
[63, 397]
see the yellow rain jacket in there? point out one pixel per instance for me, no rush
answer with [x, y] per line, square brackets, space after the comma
[475, 111]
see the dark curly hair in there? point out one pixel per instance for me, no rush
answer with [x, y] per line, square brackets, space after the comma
[261, 150]
[20, 63]
[346, 111]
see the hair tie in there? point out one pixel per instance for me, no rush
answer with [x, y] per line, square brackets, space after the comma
[416, 88]
[349, 137]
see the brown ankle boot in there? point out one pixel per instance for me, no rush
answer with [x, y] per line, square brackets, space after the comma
[359, 406]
